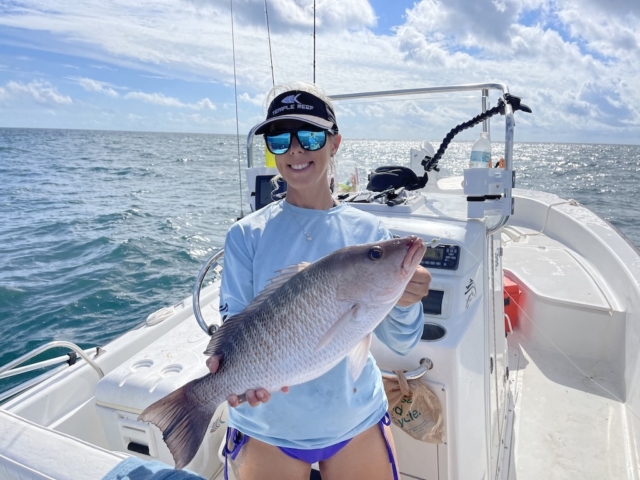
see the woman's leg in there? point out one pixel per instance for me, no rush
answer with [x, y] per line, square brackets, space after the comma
[365, 457]
[260, 461]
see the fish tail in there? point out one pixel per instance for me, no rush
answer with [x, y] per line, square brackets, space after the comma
[183, 420]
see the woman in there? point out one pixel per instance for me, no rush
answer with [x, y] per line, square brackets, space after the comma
[333, 420]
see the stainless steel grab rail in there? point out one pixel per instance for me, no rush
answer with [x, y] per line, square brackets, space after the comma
[49, 346]
[36, 351]
[425, 365]
[43, 364]
[197, 312]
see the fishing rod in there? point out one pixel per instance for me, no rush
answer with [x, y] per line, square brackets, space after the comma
[314, 41]
[266, 13]
[235, 90]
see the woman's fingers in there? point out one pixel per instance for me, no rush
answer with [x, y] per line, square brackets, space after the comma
[253, 397]
[213, 363]
[417, 288]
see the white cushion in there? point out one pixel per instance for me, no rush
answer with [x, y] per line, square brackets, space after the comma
[29, 450]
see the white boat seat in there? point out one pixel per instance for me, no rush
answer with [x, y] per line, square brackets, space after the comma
[563, 297]
[556, 275]
[31, 451]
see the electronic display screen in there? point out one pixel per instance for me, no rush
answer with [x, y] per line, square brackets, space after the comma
[433, 254]
[265, 190]
[432, 303]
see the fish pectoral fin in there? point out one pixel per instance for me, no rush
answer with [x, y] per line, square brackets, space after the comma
[337, 327]
[357, 359]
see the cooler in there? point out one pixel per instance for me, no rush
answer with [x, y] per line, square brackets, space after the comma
[511, 301]
[164, 366]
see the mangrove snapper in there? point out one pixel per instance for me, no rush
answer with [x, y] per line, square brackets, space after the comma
[301, 325]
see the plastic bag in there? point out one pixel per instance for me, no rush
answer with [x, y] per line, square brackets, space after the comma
[414, 408]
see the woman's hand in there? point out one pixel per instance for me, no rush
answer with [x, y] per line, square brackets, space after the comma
[417, 287]
[254, 397]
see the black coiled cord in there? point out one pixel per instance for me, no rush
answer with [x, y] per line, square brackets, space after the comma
[432, 163]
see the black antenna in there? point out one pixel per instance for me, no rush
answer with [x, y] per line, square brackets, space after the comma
[235, 90]
[266, 12]
[314, 41]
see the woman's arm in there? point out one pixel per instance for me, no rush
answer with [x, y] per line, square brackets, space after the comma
[236, 292]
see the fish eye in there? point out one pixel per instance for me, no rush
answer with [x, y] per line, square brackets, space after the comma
[375, 253]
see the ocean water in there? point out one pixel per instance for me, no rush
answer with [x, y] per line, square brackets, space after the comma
[100, 229]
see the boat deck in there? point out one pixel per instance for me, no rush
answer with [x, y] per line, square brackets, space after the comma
[567, 425]
[566, 363]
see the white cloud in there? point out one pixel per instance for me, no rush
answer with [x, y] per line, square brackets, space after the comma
[572, 64]
[42, 92]
[163, 100]
[331, 15]
[204, 104]
[156, 99]
[102, 67]
[575, 62]
[614, 7]
[257, 100]
[464, 22]
[194, 118]
[607, 31]
[91, 85]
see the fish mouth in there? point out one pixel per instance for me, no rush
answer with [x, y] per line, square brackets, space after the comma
[415, 252]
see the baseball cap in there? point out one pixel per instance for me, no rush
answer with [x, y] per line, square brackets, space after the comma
[302, 106]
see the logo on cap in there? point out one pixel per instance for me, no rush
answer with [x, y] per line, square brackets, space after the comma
[291, 104]
[291, 99]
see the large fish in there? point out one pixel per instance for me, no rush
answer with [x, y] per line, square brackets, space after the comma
[300, 326]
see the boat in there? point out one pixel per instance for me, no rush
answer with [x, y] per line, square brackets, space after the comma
[530, 341]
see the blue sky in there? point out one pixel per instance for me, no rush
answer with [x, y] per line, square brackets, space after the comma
[167, 65]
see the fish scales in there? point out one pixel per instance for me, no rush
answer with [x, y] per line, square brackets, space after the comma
[283, 330]
[297, 329]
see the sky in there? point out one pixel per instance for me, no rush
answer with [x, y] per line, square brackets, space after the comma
[175, 66]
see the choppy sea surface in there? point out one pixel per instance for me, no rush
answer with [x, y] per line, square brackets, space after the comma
[99, 229]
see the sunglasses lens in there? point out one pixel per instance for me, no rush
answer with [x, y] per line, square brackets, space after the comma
[311, 140]
[278, 144]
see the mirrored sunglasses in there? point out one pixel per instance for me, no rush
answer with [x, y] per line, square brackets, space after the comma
[279, 142]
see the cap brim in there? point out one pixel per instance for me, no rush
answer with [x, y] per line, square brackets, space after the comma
[310, 119]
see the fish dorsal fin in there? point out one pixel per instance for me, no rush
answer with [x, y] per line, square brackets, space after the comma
[357, 359]
[273, 284]
[337, 327]
[283, 276]
[225, 334]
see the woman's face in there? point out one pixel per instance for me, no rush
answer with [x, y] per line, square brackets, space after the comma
[304, 170]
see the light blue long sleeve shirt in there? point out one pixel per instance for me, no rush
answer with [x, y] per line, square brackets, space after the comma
[333, 407]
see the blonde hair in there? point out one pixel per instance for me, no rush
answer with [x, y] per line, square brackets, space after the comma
[313, 89]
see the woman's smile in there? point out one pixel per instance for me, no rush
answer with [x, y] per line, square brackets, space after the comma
[300, 166]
